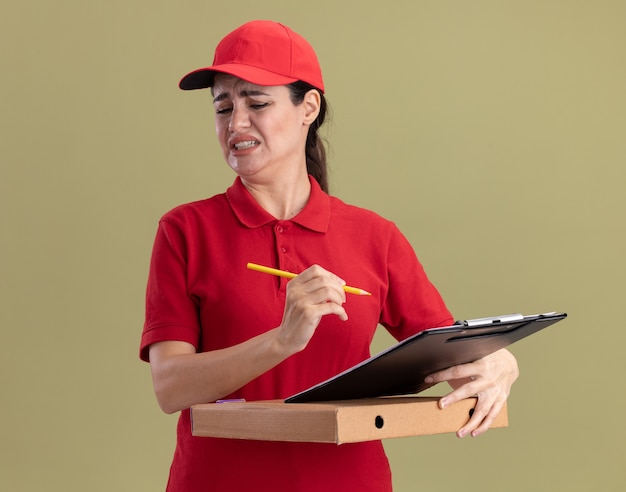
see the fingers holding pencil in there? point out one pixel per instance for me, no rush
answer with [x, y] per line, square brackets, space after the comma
[322, 285]
[312, 295]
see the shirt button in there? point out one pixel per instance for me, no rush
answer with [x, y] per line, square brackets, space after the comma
[280, 229]
[283, 249]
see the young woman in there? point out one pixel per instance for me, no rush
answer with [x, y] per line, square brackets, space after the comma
[215, 329]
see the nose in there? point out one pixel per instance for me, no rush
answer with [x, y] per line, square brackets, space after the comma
[239, 119]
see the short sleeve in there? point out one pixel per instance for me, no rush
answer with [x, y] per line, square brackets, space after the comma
[413, 303]
[171, 312]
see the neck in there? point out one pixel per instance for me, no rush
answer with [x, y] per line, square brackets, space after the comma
[283, 199]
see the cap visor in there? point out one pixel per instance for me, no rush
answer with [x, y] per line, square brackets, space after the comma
[203, 77]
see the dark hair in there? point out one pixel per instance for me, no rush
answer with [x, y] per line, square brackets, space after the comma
[315, 149]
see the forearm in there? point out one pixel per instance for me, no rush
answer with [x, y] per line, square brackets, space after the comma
[183, 378]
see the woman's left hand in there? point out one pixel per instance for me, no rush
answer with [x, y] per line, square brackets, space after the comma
[489, 378]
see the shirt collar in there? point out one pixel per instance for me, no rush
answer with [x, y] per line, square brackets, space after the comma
[315, 215]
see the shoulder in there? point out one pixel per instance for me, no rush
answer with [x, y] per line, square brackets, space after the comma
[197, 210]
[378, 234]
[359, 216]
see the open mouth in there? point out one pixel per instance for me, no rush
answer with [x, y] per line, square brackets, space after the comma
[245, 145]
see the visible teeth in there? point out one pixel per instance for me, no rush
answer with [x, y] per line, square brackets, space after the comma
[245, 145]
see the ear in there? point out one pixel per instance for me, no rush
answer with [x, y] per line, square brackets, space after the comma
[311, 105]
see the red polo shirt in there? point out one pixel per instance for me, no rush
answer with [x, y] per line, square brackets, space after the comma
[200, 291]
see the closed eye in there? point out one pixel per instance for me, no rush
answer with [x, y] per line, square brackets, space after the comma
[255, 106]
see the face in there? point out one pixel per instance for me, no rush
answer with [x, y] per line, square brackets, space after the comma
[261, 132]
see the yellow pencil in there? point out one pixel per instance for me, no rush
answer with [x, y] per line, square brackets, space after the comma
[282, 273]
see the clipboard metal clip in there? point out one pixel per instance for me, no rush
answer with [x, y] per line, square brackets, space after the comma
[506, 318]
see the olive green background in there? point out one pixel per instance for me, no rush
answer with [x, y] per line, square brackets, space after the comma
[492, 132]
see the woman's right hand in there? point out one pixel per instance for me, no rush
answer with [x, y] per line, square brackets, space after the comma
[183, 377]
[314, 293]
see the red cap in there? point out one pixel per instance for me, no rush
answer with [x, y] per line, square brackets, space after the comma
[263, 53]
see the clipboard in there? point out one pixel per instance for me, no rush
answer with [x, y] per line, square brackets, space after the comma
[401, 369]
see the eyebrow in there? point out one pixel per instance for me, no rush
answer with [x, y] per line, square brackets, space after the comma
[243, 93]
